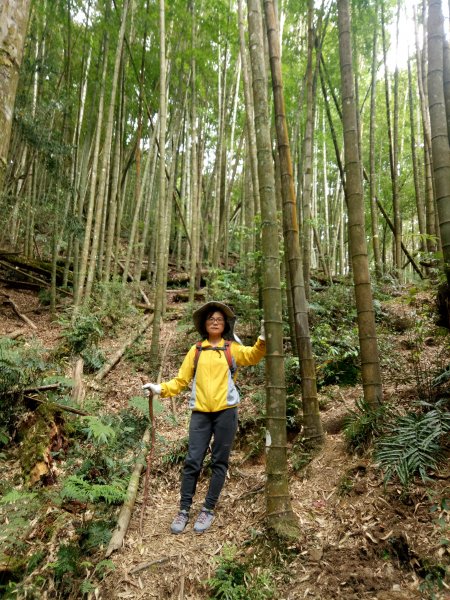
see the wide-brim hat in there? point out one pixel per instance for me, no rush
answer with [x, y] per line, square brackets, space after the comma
[199, 318]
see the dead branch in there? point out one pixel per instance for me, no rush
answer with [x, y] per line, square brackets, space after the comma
[16, 333]
[123, 520]
[27, 320]
[42, 282]
[143, 306]
[130, 499]
[36, 388]
[75, 411]
[151, 563]
[118, 355]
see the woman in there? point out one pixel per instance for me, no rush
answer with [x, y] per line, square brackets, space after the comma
[213, 401]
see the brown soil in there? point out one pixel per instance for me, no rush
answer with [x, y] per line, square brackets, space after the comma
[358, 539]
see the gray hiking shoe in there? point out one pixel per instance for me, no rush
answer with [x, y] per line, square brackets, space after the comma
[180, 522]
[204, 520]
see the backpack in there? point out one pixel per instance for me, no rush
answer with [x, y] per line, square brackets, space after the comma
[226, 348]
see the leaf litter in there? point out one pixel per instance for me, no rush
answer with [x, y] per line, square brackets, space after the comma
[357, 541]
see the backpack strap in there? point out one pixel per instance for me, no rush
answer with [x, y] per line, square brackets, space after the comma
[227, 352]
[232, 365]
[226, 348]
[198, 349]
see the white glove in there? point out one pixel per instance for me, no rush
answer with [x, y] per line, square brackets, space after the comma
[153, 388]
[262, 335]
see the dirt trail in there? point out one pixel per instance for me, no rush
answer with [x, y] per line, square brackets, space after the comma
[357, 539]
[339, 554]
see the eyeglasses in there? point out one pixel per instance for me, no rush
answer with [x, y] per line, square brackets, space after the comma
[215, 320]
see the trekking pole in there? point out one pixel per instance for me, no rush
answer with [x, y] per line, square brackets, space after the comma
[153, 436]
[149, 458]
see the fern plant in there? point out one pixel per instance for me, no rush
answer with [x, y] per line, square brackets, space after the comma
[176, 452]
[112, 302]
[363, 423]
[82, 332]
[77, 488]
[414, 444]
[233, 580]
[94, 359]
[97, 431]
[19, 366]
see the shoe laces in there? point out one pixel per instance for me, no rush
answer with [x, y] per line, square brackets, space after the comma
[181, 517]
[203, 516]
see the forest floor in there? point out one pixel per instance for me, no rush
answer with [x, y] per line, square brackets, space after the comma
[358, 538]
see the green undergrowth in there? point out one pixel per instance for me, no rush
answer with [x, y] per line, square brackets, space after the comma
[109, 310]
[21, 365]
[71, 520]
[238, 579]
[409, 437]
[256, 569]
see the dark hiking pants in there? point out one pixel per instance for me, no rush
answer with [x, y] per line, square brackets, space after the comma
[221, 425]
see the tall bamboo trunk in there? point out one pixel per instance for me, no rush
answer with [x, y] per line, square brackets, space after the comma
[373, 202]
[195, 193]
[249, 110]
[370, 365]
[392, 137]
[423, 102]
[307, 160]
[280, 516]
[162, 217]
[395, 153]
[313, 432]
[79, 291]
[103, 187]
[14, 16]
[438, 122]
[417, 191]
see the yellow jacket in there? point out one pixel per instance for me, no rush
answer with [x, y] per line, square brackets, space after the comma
[213, 388]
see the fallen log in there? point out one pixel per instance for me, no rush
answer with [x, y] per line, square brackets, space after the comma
[127, 508]
[35, 388]
[25, 319]
[42, 282]
[143, 306]
[183, 295]
[40, 267]
[18, 284]
[56, 406]
[118, 355]
[41, 388]
[123, 520]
